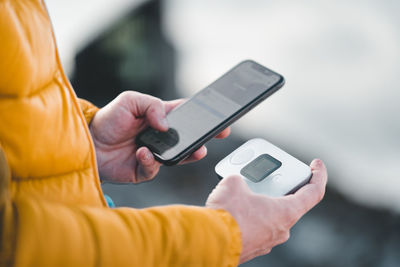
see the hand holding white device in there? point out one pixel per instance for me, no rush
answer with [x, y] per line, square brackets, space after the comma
[266, 169]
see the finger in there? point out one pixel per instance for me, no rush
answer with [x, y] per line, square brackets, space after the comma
[225, 133]
[170, 105]
[151, 108]
[196, 156]
[234, 183]
[147, 167]
[313, 192]
[320, 175]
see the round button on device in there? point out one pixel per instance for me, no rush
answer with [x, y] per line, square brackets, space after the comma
[276, 177]
[242, 156]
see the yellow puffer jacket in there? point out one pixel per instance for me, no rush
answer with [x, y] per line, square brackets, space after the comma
[52, 211]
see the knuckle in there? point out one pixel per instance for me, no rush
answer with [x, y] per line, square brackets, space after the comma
[291, 215]
[320, 196]
[292, 221]
[158, 101]
[127, 94]
[131, 179]
[285, 237]
[150, 170]
[155, 101]
[265, 251]
[233, 182]
[152, 173]
[155, 105]
[144, 178]
[151, 110]
[282, 237]
[127, 97]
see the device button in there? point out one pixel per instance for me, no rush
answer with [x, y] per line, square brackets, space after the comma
[242, 156]
[276, 177]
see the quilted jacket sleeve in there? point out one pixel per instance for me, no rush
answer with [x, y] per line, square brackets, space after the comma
[35, 232]
[88, 109]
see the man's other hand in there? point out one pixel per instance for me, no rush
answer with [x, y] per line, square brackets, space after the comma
[265, 221]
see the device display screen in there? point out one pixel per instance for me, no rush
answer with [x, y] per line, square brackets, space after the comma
[209, 108]
[261, 167]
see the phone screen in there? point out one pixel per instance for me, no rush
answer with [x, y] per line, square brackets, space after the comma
[210, 108]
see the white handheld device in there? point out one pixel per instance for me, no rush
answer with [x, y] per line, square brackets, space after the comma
[267, 169]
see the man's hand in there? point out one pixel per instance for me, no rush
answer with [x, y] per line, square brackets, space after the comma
[264, 221]
[114, 129]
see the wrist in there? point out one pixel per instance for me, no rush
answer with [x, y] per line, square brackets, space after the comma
[97, 145]
[235, 244]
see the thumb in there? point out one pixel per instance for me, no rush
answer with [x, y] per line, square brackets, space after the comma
[228, 187]
[234, 183]
[151, 108]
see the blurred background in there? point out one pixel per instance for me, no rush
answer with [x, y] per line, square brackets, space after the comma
[341, 61]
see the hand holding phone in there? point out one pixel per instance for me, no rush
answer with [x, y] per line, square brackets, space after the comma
[210, 111]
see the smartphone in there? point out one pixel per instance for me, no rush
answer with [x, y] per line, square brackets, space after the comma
[211, 110]
[266, 169]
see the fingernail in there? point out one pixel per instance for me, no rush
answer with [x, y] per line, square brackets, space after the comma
[164, 122]
[147, 156]
[317, 163]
